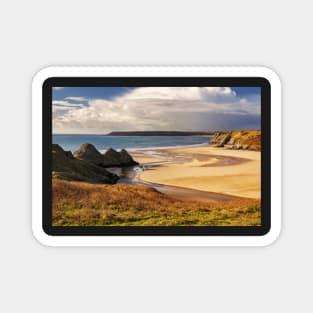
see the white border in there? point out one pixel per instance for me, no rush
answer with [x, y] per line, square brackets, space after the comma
[45, 239]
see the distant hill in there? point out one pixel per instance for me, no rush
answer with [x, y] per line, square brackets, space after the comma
[238, 139]
[160, 133]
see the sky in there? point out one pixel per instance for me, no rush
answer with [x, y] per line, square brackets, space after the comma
[100, 110]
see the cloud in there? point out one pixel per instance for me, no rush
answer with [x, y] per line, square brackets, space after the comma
[58, 88]
[76, 98]
[181, 93]
[60, 107]
[66, 103]
[160, 108]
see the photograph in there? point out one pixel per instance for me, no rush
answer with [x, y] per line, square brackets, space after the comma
[156, 156]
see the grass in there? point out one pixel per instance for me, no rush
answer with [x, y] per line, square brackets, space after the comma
[246, 139]
[87, 204]
[79, 170]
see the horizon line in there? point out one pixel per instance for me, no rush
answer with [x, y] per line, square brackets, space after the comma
[159, 131]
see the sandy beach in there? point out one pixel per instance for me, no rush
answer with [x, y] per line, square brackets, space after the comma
[210, 169]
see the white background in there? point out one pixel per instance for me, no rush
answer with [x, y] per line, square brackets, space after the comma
[36, 34]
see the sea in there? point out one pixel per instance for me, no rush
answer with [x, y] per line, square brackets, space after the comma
[104, 142]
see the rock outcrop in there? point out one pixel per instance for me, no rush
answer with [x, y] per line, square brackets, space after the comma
[110, 158]
[88, 152]
[115, 158]
[125, 158]
[238, 139]
[66, 166]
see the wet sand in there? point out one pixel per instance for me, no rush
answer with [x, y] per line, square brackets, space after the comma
[216, 171]
[131, 176]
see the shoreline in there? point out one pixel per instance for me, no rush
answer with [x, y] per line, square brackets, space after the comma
[216, 171]
[129, 144]
[131, 176]
[158, 148]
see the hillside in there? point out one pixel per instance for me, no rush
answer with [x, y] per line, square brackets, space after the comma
[238, 139]
[85, 204]
[160, 133]
[65, 166]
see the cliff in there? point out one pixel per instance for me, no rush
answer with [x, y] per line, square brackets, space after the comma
[110, 158]
[238, 139]
[67, 167]
[88, 152]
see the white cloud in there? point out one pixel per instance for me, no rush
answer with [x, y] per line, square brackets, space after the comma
[76, 98]
[182, 93]
[63, 103]
[155, 108]
[58, 88]
[61, 107]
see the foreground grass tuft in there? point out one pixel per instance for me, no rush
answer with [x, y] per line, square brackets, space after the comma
[87, 204]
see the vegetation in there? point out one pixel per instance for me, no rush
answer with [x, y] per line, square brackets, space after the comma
[89, 204]
[65, 166]
[238, 139]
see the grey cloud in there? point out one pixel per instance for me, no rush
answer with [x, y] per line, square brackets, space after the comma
[155, 109]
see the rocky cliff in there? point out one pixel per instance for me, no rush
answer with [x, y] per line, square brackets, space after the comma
[88, 152]
[238, 139]
[110, 158]
[67, 167]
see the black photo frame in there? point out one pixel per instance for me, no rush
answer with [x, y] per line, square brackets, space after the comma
[157, 82]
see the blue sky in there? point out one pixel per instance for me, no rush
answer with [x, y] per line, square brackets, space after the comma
[105, 109]
[89, 92]
[111, 92]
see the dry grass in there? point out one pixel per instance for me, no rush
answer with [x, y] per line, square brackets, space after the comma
[87, 204]
[245, 139]
[252, 138]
